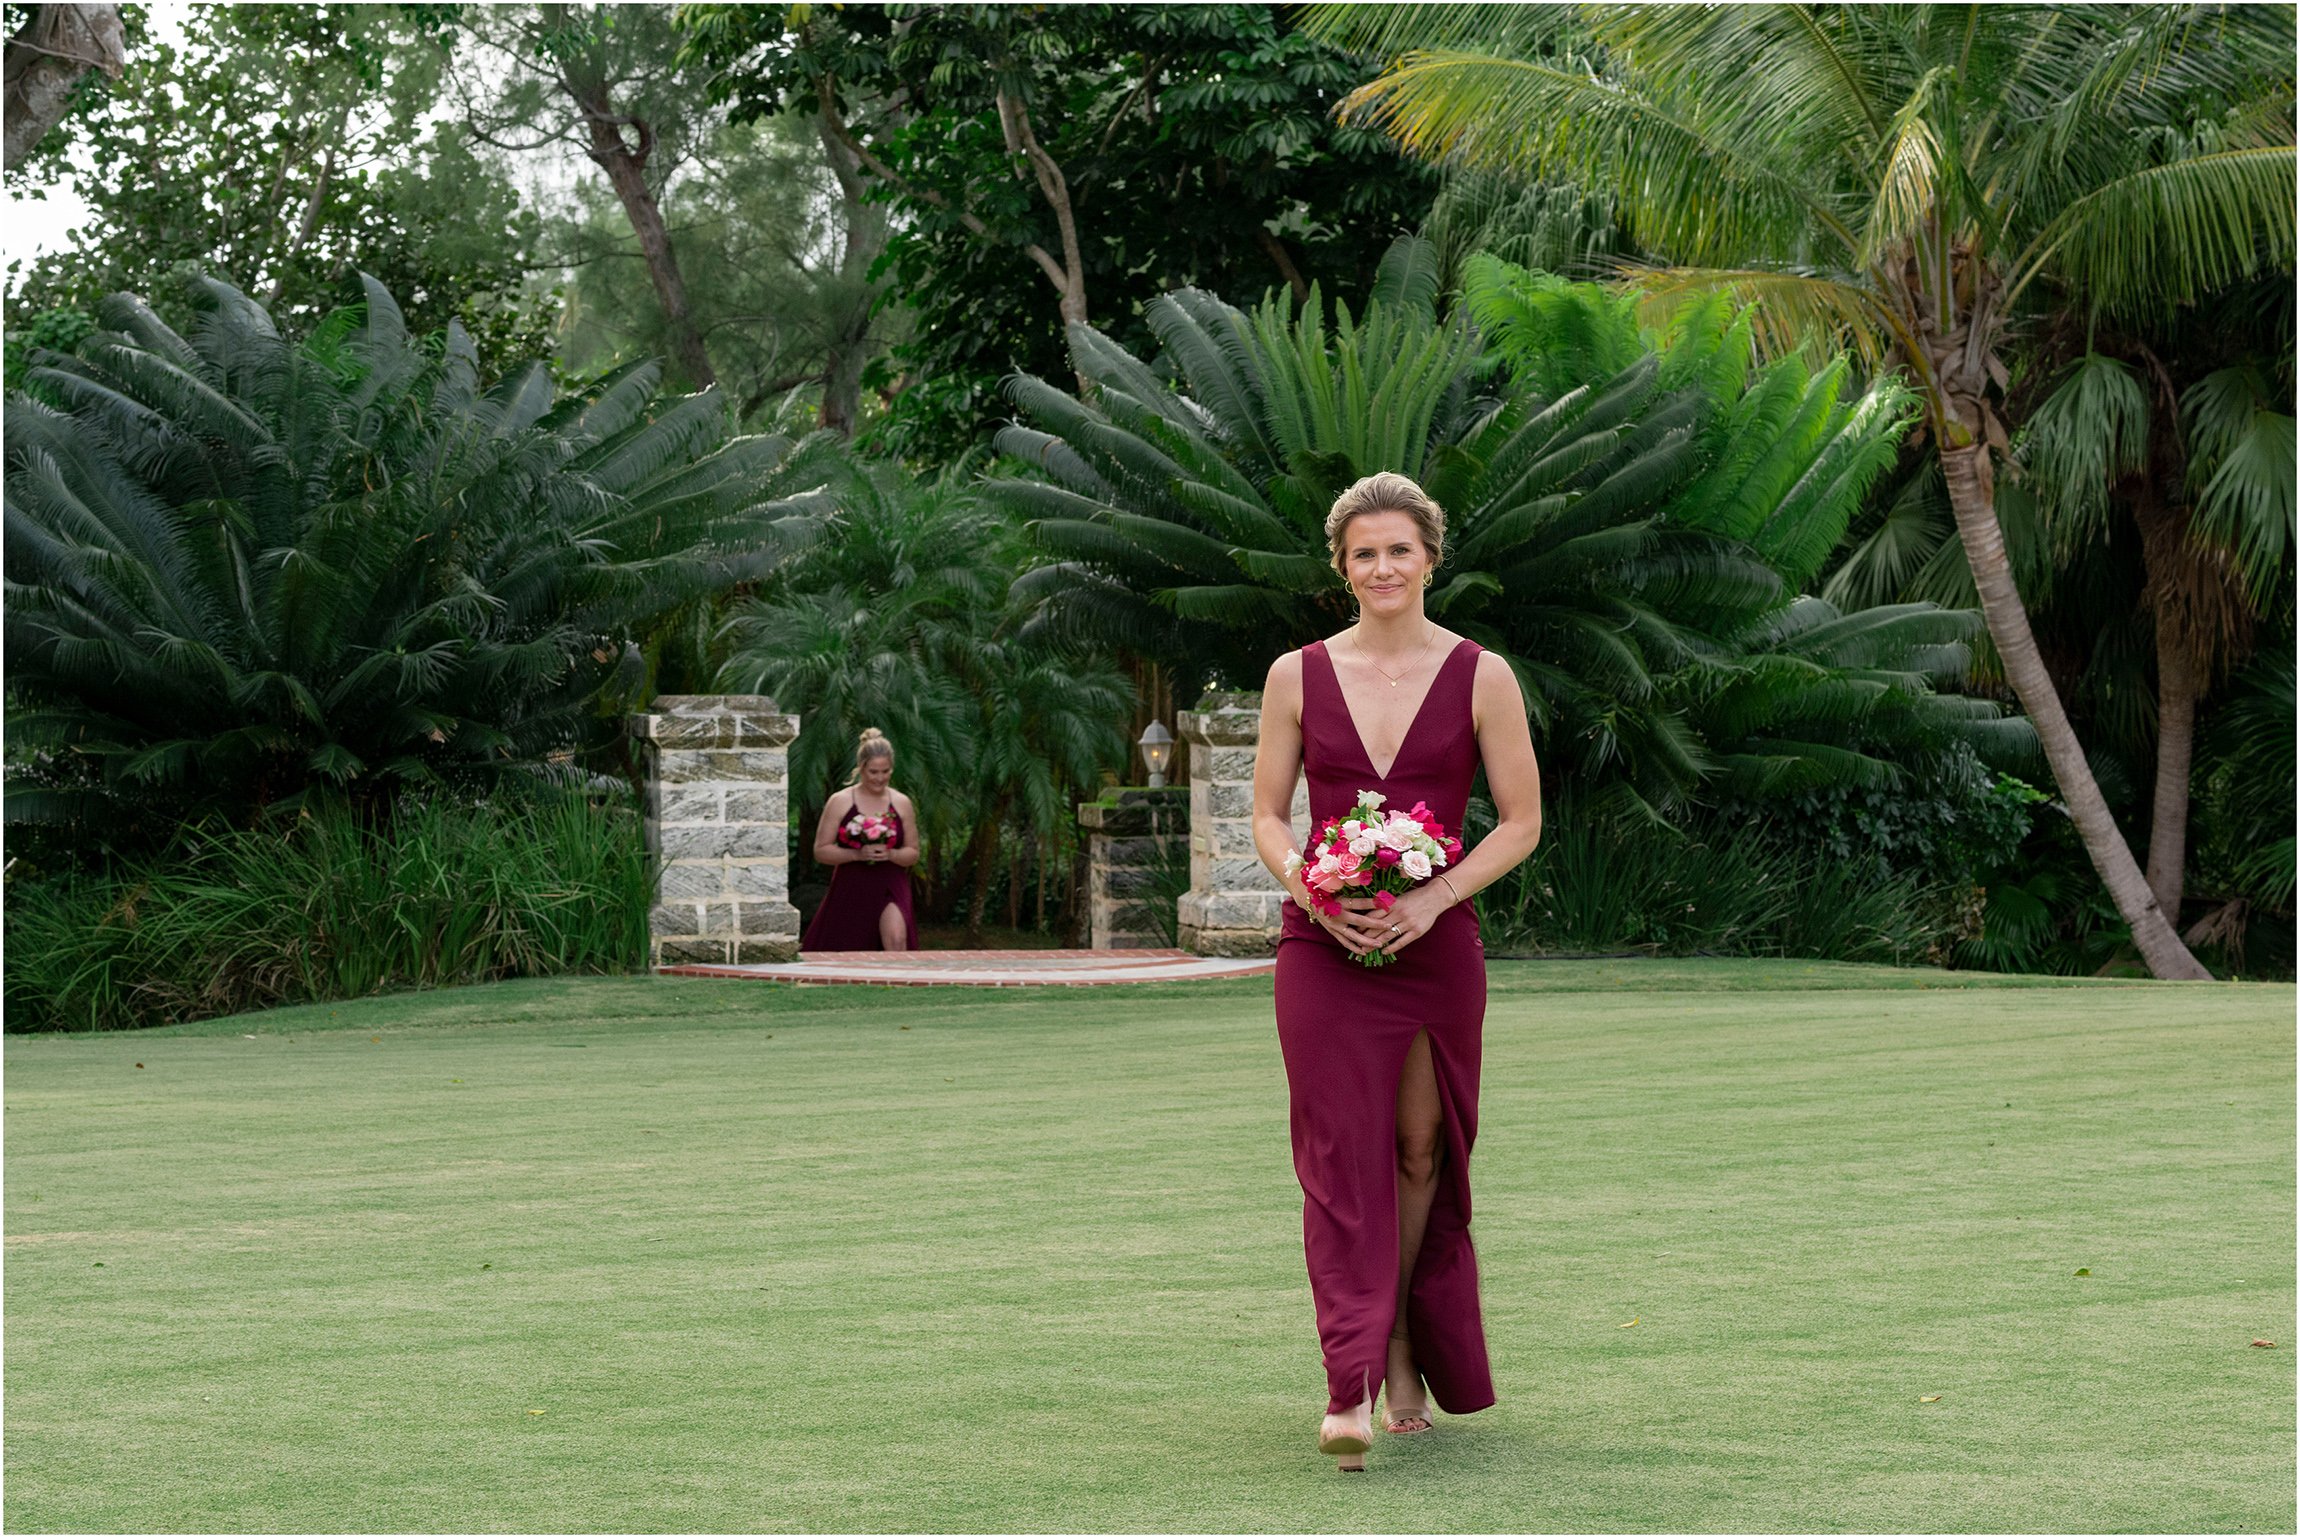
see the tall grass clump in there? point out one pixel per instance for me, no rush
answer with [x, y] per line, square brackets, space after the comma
[335, 904]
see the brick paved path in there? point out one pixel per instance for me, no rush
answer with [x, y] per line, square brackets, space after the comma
[988, 969]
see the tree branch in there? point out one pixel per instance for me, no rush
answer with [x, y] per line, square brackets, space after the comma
[888, 174]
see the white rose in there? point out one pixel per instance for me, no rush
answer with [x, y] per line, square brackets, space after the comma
[1415, 864]
[1400, 832]
[1365, 844]
[1352, 828]
[1293, 861]
[1372, 798]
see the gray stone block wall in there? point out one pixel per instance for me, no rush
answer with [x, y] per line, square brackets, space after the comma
[1234, 904]
[1128, 842]
[718, 825]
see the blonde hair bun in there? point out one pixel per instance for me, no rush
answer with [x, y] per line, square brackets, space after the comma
[1385, 491]
[871, 744]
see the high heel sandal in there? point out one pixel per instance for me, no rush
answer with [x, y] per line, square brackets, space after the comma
[1400, 1423]
[1348, 1445]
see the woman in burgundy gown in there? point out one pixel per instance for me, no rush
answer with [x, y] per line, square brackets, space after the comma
[1382, 1062]
[868, 907]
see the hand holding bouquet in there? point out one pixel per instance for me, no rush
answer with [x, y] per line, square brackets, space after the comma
[862, 831]
[1368, 853]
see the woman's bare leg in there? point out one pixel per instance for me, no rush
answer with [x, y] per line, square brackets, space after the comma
[1421, 1119]
[893, 935]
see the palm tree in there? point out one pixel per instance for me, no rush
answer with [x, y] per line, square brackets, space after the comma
[1912, 178]
[2213, 532]
[1617, 502]
[241, 567]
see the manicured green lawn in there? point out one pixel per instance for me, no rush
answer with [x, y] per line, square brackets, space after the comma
[867, 1259]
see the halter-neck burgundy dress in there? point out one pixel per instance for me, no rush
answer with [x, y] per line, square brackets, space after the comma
[860, 891]
[1345, 1029]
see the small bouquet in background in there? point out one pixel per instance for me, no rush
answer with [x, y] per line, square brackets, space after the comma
[1366, 852]
[862, 830]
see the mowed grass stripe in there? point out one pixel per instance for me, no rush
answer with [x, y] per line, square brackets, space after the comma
[767, 1259]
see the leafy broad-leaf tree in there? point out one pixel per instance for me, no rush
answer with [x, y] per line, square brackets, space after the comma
[1047, 165]
[1915, 178]
[286, 149]
[1617, 511]
[243, 566]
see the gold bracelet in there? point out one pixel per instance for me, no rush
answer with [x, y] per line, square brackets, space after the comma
[1449, 886]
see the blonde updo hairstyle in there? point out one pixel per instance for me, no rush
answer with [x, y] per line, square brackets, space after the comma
[1385, 492]
[872, 744]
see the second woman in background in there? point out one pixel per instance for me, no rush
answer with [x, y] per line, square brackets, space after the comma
[865, 835]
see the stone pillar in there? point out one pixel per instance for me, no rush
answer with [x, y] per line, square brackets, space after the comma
[718, 825]
[1132, 840]
[1234, 903]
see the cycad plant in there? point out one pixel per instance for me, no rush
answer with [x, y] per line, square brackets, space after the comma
[1619, 504]
[242, 567]
[1916, 179]
[1805, 697]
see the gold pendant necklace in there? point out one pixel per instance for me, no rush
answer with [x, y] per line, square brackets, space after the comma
[1377, 667]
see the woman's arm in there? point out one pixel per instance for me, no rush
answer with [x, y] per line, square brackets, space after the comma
[1505, 742]
[1277, 765]
[827, 848]
[906, 853]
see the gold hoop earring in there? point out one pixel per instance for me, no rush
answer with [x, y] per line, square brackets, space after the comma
[1428, 577]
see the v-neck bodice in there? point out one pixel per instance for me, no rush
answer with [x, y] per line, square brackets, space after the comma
[1436, 763]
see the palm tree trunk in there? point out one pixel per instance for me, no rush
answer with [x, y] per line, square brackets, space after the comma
[2177, 590]
[2176, 692]
[985, 861]
[1972, 495]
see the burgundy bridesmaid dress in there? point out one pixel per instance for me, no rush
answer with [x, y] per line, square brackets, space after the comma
[860, 891]
[1345, 1030]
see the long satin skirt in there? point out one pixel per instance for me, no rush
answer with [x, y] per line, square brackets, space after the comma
[1345, 1030]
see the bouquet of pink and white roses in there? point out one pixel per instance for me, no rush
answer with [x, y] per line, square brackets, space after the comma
[1366, 852]
[862, 830]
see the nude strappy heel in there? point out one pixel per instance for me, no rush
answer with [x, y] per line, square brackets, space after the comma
[1349, 1445]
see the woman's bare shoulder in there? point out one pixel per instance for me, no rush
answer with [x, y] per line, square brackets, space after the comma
[1285, 673]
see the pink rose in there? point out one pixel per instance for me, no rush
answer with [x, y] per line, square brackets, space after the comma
[1385, 858]
[1387, 900]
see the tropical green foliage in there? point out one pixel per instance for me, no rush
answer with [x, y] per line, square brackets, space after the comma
[1623, 510]
[2140, 154]
[2247, 806]
[1916, 180]
[898, 618]
[331, 904]
[241, 567]
[1601, 882]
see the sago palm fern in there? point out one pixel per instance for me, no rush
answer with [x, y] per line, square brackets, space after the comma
[240, 566]
[1616, 503]
[1911, 177]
